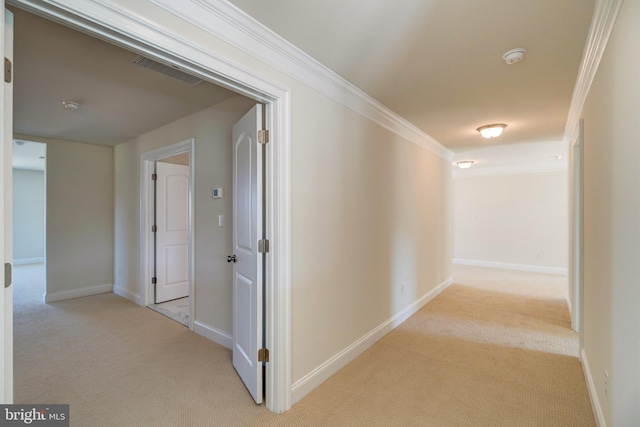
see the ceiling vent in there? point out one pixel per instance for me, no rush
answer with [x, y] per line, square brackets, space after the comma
[152, 65]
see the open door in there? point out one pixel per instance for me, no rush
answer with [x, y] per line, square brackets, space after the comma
[247, 260]
[172, 235]
[6, 294]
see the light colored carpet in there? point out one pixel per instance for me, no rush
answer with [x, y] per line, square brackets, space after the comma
[494, 349]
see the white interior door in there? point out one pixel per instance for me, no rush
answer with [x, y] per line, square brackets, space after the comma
[172, 236]
[248, 262]
[6, 295]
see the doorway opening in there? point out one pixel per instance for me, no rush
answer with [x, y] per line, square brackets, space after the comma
[29, 223]
[171, 256]
[163, 47]
[167, 217]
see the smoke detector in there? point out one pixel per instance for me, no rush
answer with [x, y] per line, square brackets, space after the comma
[514, 55]
[71, 106]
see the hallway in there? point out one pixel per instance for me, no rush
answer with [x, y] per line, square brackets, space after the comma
[494, 349]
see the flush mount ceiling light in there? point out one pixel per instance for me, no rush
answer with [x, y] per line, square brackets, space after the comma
[514, 55]
[464, 164]
[71, 106]
[492, 131]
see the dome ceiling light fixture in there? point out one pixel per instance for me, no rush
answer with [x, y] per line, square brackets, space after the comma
[492, 131]
[71, 106]
[514, 55]
[464, 164]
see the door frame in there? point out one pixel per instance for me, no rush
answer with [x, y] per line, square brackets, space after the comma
[6, 216]
[114, 23]
[147, 167]
[576, 231]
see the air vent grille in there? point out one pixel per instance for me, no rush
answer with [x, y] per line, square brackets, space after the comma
[152, 65]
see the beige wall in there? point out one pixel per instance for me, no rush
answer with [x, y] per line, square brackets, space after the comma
[519, 220]
[79, 215]
[370, 211]
[612, 223]
[211, 129]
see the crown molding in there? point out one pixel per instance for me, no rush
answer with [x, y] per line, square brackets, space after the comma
[602, 23]
[230, 24]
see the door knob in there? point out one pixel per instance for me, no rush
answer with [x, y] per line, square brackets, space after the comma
[231, 258]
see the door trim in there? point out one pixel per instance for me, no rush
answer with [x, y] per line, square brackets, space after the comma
[147, 161]
[576, 232]
[115, 24]
[6, 215]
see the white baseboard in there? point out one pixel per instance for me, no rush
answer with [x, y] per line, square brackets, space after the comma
[25, 261]
[126, 294]
[518, 267]
[593, 395]
[77, 293]
[213, 334]
[305, 385]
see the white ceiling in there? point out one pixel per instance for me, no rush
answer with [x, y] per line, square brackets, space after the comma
[513, 158]
[119, 101]
[438, 63]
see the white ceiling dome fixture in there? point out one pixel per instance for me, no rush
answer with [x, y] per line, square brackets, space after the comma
[514, 55]
[465, 164]
[491, 131]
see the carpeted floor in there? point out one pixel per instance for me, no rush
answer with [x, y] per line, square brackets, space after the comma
[495, 349]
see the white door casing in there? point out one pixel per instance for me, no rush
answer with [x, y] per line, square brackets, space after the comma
[147, 220]
[6, 157]
[172, 236]
[248, 262]
[576, 232]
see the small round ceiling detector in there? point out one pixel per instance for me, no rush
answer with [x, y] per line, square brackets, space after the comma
[514, 55]
[71, 106]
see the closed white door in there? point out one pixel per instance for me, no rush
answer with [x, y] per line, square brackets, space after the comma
[172, 235]
[248, 264]
[6, 292]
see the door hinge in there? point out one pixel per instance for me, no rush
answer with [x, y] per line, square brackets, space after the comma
[154, 177]
[7, 70]
[263, 246]
[263, 355]
[8, 275]
[154, 280]
[154, 228]
[263, 136]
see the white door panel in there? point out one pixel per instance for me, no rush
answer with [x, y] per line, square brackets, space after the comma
[248, 267]
[172, 236]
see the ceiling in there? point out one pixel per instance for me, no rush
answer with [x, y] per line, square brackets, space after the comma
[118, 100]
[540, 156]
[438, 63]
